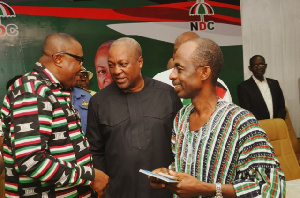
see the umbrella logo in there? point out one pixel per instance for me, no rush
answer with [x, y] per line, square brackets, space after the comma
[10, 29]
[201, 8]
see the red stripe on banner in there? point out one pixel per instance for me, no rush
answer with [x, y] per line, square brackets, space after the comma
[177, 12]
[83, 13]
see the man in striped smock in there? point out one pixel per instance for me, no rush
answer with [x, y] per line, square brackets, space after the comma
[219, 148]
[45, 151]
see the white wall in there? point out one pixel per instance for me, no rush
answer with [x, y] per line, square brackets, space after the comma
[271, 28]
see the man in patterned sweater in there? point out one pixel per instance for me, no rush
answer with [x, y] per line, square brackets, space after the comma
[45, 151]
[219, 148]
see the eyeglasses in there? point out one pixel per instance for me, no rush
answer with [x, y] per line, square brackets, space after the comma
[258, 65]
[78, 58]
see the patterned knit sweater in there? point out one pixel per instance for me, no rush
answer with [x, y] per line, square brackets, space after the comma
[45, 151]
[230, 148]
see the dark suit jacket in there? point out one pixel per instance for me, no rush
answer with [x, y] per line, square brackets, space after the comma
[250, 98]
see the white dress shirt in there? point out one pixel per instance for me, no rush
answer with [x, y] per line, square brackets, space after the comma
[266, 93]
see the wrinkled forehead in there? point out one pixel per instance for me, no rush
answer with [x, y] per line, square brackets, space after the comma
[185, 49]
[121, 51]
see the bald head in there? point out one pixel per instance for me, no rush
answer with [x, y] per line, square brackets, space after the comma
[58, 42]
[184, 37]
[130, 43]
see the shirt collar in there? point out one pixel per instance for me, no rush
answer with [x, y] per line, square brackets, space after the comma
[46, 75]
[258, 81]
[78, 92]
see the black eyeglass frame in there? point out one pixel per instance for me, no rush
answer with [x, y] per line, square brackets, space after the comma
[259, 65]
[78, 58]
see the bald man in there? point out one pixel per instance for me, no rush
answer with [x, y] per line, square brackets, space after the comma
[45, 151]
[222, 90]
[130, 123]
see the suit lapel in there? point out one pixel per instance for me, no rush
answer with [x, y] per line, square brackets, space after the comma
[259, 98]
[256, 92]
[272, 90]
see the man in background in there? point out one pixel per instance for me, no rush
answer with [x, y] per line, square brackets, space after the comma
[130, 124]
[222, 90]
[103, 76]
[45, 151]
[80, 96]
[83, 80]
[260, 95]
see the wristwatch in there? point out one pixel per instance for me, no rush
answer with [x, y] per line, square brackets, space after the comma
[218, 191]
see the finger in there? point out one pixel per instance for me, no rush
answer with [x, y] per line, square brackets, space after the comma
[154, 179]
[105, 189]
[172, 188]
[171, 172]
[157, 185]
[101, 193]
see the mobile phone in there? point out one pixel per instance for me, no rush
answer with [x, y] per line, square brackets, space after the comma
[169, 176]
[161, 177]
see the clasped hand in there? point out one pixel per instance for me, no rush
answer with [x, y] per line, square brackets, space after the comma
[100, 184]
[187, 187]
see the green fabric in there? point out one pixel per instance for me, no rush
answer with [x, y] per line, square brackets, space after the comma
[186, 101]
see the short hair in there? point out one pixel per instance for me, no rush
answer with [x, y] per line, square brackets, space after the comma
[208, 53]
[129, 42]
[254, 58]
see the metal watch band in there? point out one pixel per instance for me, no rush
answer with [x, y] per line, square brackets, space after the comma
[218, 191]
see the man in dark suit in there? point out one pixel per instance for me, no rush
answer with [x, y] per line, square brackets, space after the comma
[262, 96]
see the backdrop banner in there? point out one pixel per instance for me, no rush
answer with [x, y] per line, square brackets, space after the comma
[154, 24]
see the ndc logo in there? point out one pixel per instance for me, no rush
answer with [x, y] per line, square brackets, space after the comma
[202, 9]
[9, 29]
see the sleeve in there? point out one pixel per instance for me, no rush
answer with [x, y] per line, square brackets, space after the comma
[94, 136]
[173, 141]
[30, 129]
[281, 113]
[244, 101]
[258, 170]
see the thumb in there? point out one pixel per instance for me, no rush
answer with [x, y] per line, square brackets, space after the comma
[173, 173]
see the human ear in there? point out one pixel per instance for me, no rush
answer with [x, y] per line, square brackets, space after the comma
[250, 68]
[57, 59]
[206, 72]
[140, 60]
